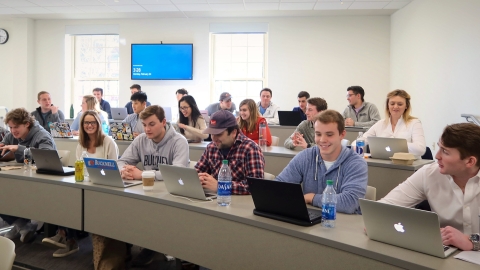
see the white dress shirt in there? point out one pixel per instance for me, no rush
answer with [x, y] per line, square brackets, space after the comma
[453, 207]
[411, 131]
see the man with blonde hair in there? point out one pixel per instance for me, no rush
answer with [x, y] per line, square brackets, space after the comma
[47, 113]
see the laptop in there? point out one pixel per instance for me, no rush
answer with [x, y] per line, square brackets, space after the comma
[121, 131]
[205, 116]
[119, 113]
[48, 162]
[168, 113]
[404, 227]
[183, 181]
[282, 201]
[384, 148]
[105, 172]
[289, 118]
[60, 130]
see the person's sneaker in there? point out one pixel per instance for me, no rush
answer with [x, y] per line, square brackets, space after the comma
[57, 241]
[13, 233]
[72, 247]
[27, 233]
[145, 257]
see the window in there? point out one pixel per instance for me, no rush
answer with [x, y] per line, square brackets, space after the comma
[95, 64]
[238, 65]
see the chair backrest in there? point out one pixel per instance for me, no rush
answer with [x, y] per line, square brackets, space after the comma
[268, 176]
[371, 193]
[428, 154]
[64, 157]
[275, 140]
[7, 253]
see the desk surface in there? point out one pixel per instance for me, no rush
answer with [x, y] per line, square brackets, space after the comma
[348, 236]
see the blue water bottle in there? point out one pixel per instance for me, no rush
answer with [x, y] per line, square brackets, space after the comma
[329, 206]
[360, 145]
[224, 188]
[105, 128]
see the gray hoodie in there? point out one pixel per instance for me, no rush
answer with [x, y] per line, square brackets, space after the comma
[37, 137]
[171, 150]
[367, 116]
[58, 117]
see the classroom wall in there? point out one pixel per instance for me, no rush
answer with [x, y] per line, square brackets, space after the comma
[323, 55]
[434, 56]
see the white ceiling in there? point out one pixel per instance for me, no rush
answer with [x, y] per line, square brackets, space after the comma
[103, 9]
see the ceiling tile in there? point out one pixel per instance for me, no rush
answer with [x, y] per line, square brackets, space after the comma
[299, 1]
[373, 0]
[96, 9]
[160, 8]
[10, 11]
[368, 5]
[224, 1]
[396, 5]
[34, 10]
[153, 2]
[64, 10]
[261, 6]
[17, 3]
[296, 6]
[262, 1]
[332, 5]
[85, 2]
[128, 8]
[227, 7]
[194, 7]
[50, 3]
[118, 2]
[189, 1]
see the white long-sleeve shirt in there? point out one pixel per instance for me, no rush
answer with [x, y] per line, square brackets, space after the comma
[453, 207]
[411, 131]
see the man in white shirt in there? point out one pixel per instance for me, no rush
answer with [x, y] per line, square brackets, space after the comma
[451, 186]
[267, 109]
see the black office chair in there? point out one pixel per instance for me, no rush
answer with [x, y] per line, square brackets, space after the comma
[428, 154]
[425, 205]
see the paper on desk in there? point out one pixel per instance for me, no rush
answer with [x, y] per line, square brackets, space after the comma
[469, 256]
[10, 167]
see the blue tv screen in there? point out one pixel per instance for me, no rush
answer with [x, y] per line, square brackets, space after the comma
[162, 61]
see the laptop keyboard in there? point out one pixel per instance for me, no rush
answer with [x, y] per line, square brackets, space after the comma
[314, 215]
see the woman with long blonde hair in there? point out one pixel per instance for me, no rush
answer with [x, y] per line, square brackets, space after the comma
[89, 103]
[250, 119]
[399, 123]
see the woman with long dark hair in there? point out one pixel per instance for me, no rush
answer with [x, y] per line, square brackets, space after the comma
[191, 122]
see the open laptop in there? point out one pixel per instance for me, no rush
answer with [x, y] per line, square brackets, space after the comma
[60, 130]
[48, 162]
[119, 113]
[121, 131]
[289, 118]
[168, 113]
[205, 116]
[404, 227]
[105, 172]
[282, 201]
[183, 181]
[384, 148]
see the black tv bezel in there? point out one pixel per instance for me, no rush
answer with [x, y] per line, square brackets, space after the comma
[131, 62]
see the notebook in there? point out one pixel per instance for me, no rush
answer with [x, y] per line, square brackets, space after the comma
[384, 148]
[60, 130]
[183, 181]
[121, 131]
[48, 162]
[289, 118]
[119, 113]
[282, 201]
[404, 227]
[106, 172]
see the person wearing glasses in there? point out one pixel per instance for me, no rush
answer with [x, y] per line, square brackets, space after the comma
[224, 104]
[89, 102]
[359, 113]
[139, 103]
[191, 123]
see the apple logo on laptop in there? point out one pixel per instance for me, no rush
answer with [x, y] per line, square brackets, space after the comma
[180, 181]
[388, 149]
[102, 172]
[399, 227]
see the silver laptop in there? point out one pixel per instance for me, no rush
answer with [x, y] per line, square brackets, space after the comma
[48, 162]
[105, 172]
[184, 181]
[384, 148]
[168, 113]
[119, 113]
[404, 227]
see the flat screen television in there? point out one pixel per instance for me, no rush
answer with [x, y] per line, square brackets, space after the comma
[162, 62]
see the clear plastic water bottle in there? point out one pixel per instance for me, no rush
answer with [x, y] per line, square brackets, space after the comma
[262, 136]
[105, 128]
[360, 145]
[329, 206]
[224, 188]
[84, 155]
[27, 159]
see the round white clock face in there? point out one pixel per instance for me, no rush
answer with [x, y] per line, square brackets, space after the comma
[3, 36]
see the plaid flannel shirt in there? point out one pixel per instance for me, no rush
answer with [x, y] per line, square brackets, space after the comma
[245, 158]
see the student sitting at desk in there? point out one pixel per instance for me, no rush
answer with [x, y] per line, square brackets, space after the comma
[191, 122]
[139, 103]
[245, 158]
[250, 119]
[302, 104]
[329, 161]
[47, 113]
[25, 131]
[451, 186]
[304, 135]
[89, 102]
[267, 109]
[399, 123]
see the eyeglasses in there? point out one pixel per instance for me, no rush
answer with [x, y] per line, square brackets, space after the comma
[93, 123]
[184, 108]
